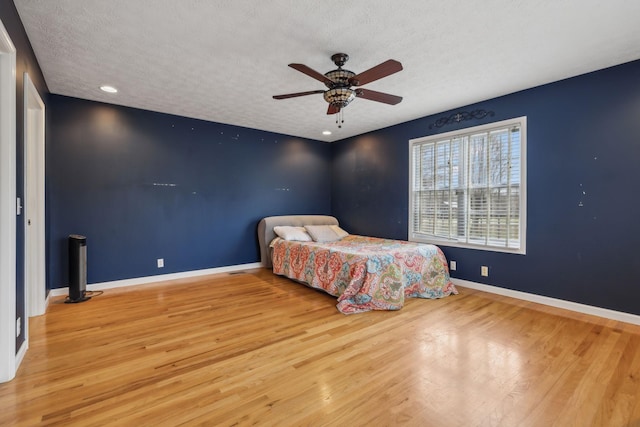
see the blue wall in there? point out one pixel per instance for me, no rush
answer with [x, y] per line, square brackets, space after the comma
[583, 136]
[142, 185]
[25, 62]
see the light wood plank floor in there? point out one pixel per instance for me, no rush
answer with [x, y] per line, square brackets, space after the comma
[254, 348]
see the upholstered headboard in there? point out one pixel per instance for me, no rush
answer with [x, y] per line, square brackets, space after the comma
[266, 234]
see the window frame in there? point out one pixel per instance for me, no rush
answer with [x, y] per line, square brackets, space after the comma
[460, 133]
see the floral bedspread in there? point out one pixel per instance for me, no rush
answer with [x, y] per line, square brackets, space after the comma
[366, 273]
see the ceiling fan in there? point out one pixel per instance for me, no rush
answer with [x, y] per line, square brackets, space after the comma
[340, 81]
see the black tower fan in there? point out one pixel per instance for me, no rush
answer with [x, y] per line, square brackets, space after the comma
[77, 269]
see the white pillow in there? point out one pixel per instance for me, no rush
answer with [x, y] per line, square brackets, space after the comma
[325, 233]
[287, 232]
[339, 231]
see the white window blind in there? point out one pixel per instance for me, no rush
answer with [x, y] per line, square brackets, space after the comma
[467, 188]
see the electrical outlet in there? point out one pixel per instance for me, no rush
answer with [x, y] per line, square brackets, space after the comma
[484, 271]
[160, 262]
[18, 327]
[452, 265]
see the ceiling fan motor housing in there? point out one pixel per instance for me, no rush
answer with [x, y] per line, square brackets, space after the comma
[339, 77]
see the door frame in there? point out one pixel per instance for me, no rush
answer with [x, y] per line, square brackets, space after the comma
[8, 202]
[34, 202]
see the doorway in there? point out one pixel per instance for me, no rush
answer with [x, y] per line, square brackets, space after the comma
[34, 219]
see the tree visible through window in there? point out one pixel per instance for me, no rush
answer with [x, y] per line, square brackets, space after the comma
[468, 187]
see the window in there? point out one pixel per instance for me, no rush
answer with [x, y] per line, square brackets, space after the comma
[468, 187]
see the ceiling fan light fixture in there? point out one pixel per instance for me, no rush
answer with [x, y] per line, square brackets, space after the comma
[340, 96]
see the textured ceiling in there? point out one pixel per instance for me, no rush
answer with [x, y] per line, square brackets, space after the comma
[222, 60]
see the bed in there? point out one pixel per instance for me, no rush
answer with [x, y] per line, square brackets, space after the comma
[364, 273]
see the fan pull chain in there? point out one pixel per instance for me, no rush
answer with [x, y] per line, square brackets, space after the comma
[340, 118]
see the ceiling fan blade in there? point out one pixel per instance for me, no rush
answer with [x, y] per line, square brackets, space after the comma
[379, 71]
[333, 109]
[293, 95]
[373, 95]
[312, 73]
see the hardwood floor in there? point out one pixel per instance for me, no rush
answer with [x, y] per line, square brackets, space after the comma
[254, 348]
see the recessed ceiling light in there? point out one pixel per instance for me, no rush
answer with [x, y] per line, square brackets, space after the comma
[326, 132]
[109, 89]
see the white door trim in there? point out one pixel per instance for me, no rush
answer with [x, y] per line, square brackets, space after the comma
[34, 220]
[7, 207]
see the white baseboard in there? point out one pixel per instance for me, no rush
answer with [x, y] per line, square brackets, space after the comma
[159, 278]
[553, 302]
